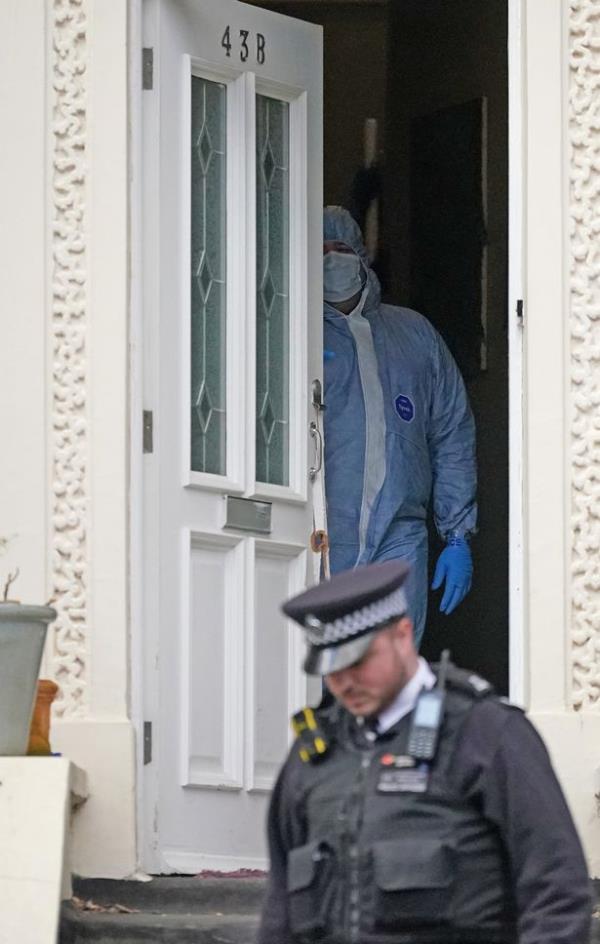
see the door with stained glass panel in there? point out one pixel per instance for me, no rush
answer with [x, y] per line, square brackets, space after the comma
[232, 299]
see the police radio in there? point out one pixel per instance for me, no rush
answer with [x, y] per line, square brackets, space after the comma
[428, 716]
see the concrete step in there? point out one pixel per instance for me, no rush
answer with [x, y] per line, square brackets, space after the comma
[166, 910]
[176, 910]
[87, 927]
[176, 893]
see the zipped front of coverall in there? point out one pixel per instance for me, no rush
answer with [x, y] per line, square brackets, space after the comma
[375, 459]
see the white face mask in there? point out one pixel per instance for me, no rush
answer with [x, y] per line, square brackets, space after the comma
[342, 276]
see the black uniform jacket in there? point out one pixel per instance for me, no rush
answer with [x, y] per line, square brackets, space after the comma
[501, 766]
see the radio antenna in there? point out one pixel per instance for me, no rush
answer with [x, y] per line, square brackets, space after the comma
[444, 662]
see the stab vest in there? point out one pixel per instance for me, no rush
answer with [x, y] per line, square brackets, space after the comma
[417, 863]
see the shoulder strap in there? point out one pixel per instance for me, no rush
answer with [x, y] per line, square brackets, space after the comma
[469, 683]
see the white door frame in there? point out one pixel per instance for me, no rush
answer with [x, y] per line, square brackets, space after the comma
[539, 368]
[517, 589]
[136, 361]
[546, 359]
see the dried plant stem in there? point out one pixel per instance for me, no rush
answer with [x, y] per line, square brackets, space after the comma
[9, 580]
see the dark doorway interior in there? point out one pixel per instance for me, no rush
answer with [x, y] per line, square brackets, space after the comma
[434, 75]
[448, 227]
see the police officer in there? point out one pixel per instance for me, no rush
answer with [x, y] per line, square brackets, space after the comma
[419, 807]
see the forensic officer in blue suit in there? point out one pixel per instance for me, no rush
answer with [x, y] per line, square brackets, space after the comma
[418, 807]
[398, 430]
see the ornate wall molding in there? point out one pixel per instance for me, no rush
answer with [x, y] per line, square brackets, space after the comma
[584, 167]
[68, 329]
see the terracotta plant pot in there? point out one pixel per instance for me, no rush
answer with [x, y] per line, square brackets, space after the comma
[39, 733]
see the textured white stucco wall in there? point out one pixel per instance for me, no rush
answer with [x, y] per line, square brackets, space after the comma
[64, 286]
[68, 341]
[88, 441]
[584, 245]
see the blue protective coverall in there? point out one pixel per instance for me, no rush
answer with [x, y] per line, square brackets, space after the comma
[398, 430]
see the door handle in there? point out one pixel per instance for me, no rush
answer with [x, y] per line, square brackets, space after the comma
[318, 440]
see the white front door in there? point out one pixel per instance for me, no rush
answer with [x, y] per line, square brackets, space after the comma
[232, 307]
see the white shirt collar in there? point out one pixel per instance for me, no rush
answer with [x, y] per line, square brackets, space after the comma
[406, 698]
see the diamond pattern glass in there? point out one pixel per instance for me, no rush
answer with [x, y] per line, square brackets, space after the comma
[208, 276]
[272, 309]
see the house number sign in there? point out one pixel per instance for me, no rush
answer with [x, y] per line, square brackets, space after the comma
[246, 44]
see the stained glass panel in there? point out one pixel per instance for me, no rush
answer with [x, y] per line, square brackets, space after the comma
[208, 277]
[272, 303]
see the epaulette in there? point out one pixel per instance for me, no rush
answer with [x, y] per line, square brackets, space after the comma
[510, 704]
[467, 682]
[313, 744]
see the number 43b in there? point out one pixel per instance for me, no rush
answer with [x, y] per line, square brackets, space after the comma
[244, 49]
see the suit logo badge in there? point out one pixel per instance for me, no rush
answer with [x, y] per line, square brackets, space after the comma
[405, 408]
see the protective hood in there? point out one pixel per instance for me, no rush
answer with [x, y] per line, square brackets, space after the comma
[339, 225]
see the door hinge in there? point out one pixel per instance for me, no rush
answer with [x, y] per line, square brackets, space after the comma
[148, 68]
[520, 311]
[147, 742]
[148, 431]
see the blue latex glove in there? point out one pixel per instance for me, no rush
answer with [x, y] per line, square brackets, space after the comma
[455, 566]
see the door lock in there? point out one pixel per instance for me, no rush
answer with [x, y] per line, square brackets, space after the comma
[317, 396]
